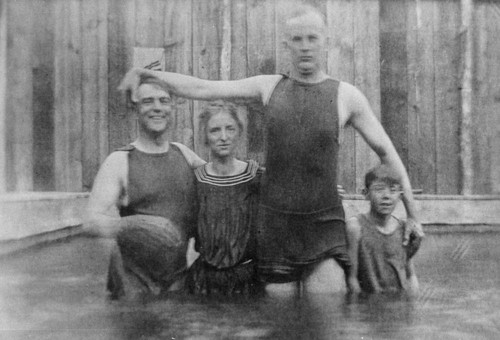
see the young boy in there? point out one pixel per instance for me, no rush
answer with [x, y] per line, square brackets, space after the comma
[379, 261]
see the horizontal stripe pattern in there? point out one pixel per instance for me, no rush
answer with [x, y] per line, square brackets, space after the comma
[224, 181]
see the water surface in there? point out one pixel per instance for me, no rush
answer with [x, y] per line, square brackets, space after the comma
[57, 292]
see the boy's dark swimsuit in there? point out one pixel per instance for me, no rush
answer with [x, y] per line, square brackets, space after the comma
[382, 258]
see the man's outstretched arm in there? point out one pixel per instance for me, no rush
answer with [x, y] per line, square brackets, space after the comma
[253, 88]
[362, 118]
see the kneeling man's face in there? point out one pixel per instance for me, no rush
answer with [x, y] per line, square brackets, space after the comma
[154, 108]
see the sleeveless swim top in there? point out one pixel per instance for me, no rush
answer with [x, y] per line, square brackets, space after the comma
[303, 143]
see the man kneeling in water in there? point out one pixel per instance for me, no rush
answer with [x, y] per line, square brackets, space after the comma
[144, 197]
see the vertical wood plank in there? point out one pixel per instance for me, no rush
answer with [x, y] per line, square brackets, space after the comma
[466, 167]
[68, 96]
[225, 53]
[340, 65]
[486, 94]
[367, 74]
[121, 37]
[3, 96]
[43, 96]
[261, 54]
[94, 89]
[283, 60]
[394, 74]
[177, 42]
[19, 122]
[179, 58]
[421, 114]
[239, 63]
[492, 150]
[207, 44]
[149, 28]
[447, 82]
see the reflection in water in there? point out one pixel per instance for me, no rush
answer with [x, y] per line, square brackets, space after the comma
[57, 292]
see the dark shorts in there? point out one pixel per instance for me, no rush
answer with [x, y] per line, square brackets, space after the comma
[290, 245]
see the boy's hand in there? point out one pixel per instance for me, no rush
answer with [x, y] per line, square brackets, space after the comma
[130, 83]
[353, 286]
[413, 227]
[341, 191]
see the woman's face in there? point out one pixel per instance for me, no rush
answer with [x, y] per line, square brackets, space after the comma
[222, 134]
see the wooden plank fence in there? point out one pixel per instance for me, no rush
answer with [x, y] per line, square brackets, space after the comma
[429, 68]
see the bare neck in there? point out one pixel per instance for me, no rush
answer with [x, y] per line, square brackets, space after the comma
[225, 166]
[152, 143]
[312, 78]
[383, 222]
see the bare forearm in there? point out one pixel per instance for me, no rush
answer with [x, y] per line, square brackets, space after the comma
[184, 85]
[394, 162]
[102, 225]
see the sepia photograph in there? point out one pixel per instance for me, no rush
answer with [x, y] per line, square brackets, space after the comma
[249, 169]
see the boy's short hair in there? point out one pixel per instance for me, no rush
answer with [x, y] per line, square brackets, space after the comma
[381, 173]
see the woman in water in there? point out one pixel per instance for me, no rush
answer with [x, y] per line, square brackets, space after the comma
[227, 191]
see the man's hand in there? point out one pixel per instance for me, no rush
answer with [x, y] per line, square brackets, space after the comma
[413, 227]
[130, 83]
[341, 191]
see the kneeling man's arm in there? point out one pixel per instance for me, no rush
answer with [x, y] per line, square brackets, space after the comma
[104, 202]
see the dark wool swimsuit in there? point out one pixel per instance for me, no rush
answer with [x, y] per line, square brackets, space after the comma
[161, 215]
[382, 259]
[302, 218]
[225, 236]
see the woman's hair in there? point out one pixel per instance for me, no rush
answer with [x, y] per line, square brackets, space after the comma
[218, 107]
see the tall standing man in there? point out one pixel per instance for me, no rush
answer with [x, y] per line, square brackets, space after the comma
[301, 241]
[144, 197]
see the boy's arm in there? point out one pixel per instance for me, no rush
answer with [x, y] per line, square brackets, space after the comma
[104, 201]
[253, 88]
[353, 229]
[413, 285]
[360, 115]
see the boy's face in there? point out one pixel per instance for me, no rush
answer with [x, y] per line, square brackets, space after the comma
[383, 196]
